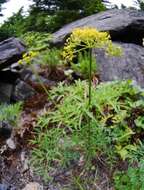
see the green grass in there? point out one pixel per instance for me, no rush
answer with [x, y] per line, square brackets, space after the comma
[82, 66]
[10, 113]
[132, 179]
[61, 133]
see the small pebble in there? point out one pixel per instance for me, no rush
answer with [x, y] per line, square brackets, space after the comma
[3, 187]
[33, 186]
[11, 144]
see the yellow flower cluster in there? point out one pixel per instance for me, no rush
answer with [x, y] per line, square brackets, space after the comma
[27, 57]
[87, 38]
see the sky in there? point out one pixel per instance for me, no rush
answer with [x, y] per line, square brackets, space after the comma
[125, 2]
[14, 5]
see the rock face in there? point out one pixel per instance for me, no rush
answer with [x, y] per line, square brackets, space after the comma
[130, 65]
[123, 25]
[11, 51]
[126, 28]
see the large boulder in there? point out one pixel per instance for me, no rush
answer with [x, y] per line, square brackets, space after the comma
[126, 28]
[130, 65]
[11, 51]
[123, 25]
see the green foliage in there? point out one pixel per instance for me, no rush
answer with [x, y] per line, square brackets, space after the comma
[140, 122]
[64, 12]
[80, 40]
[46, 151]
[83, 65]
[140, 3]
[132, 179]
[36, 41]
[48, 16]
[10, 113]
[66, 125]
[18, 24]
[38, 21]
[14, 26]
[39, 52]
[77, 5]
[50, 58]
[28, 58]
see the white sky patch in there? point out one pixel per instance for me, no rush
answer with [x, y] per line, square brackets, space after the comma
[14, 5]
[128, 3]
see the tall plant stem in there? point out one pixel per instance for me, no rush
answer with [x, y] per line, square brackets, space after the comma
[42, 85]
[90, 76]
[40, 81]
[89, 106]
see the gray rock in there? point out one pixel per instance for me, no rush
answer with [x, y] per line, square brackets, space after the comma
[25, 74]
[5, 130]
[11, 144]
[9, 76]
[129, 66]
[39, 80]
[3, 187]
[7, 80]
[22, 91]
[5, 92]
[124, 25]
[15, 67]
[11, 51]
[6, 187]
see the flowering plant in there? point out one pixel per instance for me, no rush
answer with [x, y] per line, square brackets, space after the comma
[88, 38]
[28, 57]
[85, 39]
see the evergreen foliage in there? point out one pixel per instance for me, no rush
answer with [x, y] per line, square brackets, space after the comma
[48, 16]
[140, 3]
[14, 26]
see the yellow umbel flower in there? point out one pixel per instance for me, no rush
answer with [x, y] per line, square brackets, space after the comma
[87, 38]
[28, 57]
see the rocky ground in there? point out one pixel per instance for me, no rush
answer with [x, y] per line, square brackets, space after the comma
[18, 83]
